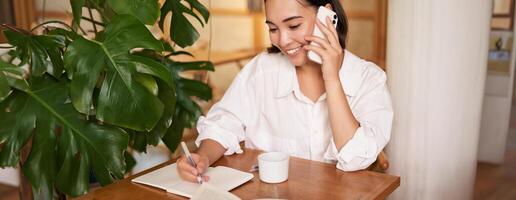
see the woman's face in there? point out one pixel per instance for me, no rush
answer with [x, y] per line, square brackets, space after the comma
[289, 22]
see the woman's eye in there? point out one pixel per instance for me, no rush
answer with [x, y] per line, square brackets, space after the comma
[273, 30]
[294, 27]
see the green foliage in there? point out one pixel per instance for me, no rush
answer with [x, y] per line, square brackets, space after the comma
[81, 102]
[183, 32]
[147, 11]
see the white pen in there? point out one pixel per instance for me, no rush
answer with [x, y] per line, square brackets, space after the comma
[191, 161]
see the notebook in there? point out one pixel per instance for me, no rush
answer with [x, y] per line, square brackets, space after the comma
[168, 179]
[207, 191]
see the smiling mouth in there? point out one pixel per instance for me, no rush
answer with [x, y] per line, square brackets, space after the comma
[293, 51]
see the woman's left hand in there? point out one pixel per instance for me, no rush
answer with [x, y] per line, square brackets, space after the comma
[329, 49]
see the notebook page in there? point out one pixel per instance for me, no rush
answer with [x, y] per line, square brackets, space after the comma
[162, 178]
[208, 191]
[168, 179]
[228, 178]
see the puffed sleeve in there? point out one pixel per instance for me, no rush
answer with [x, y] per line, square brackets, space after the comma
[226, 121]
[373, 111]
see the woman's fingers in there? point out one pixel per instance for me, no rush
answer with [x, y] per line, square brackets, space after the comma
[189, 177]
[320, 41]
[201, 161]
[205, 178]
[327, 33]
[184, 166]
[334, 39]
[185, 170]
[316, 49]
[188, 172]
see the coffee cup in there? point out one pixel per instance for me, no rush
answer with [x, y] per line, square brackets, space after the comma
[273, 167]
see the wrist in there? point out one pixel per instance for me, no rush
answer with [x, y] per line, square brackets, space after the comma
[205, 156]
[331, 81]
[331, 76]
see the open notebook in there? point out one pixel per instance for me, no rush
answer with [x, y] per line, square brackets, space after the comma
[168, 179]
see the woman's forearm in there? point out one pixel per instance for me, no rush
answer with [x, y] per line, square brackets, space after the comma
[342, 121]
[211, 149]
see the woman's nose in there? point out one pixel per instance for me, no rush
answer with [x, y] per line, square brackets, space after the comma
[285, 38]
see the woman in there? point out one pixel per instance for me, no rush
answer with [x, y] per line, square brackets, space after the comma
[338, 111]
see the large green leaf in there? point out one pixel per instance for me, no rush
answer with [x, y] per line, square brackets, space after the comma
[183, 33]
[187, 87]
[167, 95]
[41, 166]
[58, 127]
[195, 88]
[147, 11]
[5, 90]
[123, 100]
[186, 66]
[36, 49]
[10, 76]
[186, 111]
[77, 11]
[17, 120]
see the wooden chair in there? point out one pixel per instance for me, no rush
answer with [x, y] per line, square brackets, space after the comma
[381, 164]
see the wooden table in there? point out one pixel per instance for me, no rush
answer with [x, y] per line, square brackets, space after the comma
[307, 180]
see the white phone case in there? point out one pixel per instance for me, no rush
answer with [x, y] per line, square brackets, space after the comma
[322, 13]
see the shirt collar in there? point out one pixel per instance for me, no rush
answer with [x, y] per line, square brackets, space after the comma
[286, 77]
[348, 73]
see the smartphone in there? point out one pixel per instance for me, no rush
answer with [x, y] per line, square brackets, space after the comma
[322, 13]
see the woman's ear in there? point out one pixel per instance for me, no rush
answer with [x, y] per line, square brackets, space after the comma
[328, 6]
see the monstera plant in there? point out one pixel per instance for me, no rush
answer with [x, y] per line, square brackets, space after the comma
[79, 103]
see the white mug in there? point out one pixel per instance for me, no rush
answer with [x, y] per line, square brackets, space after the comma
[273, 167]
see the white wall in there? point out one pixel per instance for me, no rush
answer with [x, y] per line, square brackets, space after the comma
[10, 176]
[436, 61]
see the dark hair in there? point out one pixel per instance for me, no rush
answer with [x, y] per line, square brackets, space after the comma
[342, 24]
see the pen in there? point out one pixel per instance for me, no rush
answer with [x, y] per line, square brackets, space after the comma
[190, 160]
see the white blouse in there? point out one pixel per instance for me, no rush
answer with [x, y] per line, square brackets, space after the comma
[265, 108]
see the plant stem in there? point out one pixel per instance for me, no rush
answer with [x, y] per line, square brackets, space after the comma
[92, 19]
[101, 11]
[82, 30]
[11, 59]
[21, 31]
[52, 22]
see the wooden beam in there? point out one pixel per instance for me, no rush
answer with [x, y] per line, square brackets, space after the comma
[24, 13]
[55, 14]
[382, 31]
[237, 12]
[259, 29]
[361, 14]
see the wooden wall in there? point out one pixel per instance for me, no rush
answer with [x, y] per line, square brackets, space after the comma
[367, 29]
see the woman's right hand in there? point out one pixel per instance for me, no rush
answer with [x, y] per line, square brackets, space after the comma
[188, 172]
